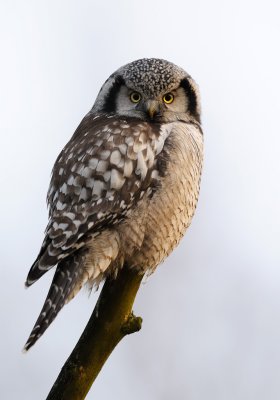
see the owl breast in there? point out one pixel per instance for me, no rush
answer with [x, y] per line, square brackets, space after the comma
[155, 228]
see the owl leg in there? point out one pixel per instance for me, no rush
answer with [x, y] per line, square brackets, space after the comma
[66, 276]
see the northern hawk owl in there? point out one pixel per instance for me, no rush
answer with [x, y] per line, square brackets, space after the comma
[125, 187]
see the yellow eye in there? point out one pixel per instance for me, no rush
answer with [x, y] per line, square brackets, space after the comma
[168, 98]
[135, 97]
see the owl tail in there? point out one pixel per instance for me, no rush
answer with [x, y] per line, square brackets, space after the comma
[47, 258]
[67, 276]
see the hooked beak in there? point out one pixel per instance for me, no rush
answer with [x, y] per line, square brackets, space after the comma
[153, 108]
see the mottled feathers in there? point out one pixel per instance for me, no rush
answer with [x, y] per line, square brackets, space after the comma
[101, 173]
[125, 187]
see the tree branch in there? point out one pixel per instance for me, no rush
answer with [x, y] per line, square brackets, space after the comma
[111, 320]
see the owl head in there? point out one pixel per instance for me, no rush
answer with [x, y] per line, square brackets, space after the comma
[150, 89]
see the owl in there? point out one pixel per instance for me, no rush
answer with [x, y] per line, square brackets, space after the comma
[125, 187]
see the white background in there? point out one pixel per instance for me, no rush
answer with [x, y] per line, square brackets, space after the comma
[211, 312]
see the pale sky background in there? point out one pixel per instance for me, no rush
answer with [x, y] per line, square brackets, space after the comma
[211, 312]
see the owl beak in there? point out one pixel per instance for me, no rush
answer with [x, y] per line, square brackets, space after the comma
[153, 108]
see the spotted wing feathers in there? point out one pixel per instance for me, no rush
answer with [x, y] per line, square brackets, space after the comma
[99, 176]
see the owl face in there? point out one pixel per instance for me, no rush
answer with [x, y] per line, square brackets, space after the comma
[152, 90]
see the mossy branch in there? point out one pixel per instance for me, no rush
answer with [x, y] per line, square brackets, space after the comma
[111, 320]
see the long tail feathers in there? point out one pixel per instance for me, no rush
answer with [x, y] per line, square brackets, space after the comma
[67, 275]
[47, 259]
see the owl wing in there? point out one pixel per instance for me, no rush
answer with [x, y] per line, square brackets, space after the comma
[100, 175]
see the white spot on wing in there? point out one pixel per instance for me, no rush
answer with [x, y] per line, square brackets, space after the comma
[115, 157]
[70, 180]
[86, 172]
[93, 162]
[97, 188]
[123, 148]
[107, 176]
[70, 215]
[104, 154]
[90, 183]
[129, 140]
[62, 226]
[122, 204]
[83, 194]
[138, 146]
[63, 188]
[150, 157]
[164, 133]
[154, 174]
[70, 156]
[141, 168]
[60, 206]
[102, 166]
[117, 180]
[128, 168]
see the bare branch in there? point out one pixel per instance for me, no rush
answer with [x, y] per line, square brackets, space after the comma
[111, 320]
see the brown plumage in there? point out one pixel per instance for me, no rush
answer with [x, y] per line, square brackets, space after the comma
[125, 187]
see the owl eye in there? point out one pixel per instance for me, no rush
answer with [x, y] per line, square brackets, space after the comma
[135, 97]
[168, 98]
